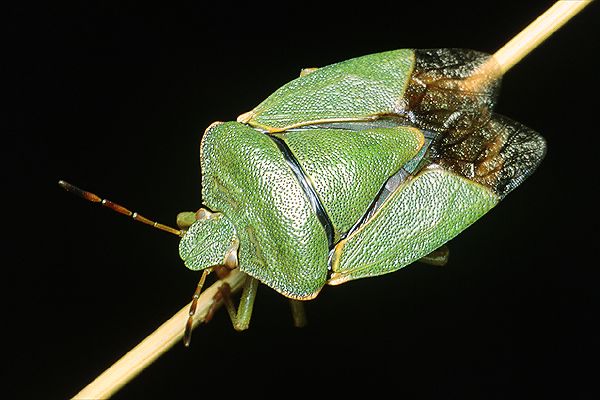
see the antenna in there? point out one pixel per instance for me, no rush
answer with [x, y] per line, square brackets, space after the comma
[118, 208]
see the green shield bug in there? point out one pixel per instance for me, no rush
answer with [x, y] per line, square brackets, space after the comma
[352, 170]
[357, 169]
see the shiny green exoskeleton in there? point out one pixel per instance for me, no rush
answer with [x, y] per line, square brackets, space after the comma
[356, 169]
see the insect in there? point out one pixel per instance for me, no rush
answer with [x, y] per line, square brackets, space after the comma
[352, 170]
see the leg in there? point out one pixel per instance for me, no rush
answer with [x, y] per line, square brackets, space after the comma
[298, 313]
[187, 335]
[241, 318]
[438, 257]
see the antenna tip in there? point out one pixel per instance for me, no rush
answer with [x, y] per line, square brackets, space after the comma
[79, 192]
[65, 185]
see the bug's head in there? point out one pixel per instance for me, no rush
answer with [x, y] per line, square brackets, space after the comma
[209, 241]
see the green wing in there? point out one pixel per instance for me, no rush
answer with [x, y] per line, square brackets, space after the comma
[355, 89]
[429, 89]
[461, 181]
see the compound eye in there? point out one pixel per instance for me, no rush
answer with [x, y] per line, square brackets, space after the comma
[203, 214]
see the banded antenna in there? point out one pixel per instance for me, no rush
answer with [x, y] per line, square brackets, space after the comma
[89, 196]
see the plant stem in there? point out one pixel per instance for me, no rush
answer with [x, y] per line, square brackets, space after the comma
[537, 31]
[158, 342]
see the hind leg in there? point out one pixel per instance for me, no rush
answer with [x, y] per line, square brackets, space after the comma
[438, 257]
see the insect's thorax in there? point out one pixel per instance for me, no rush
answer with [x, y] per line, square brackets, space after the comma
[246, 177]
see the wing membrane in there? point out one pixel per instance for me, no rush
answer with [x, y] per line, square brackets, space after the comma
[452, 94]
[496, 152]
[450, 87]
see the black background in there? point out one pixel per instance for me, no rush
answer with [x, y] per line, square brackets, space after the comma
[114, 98]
